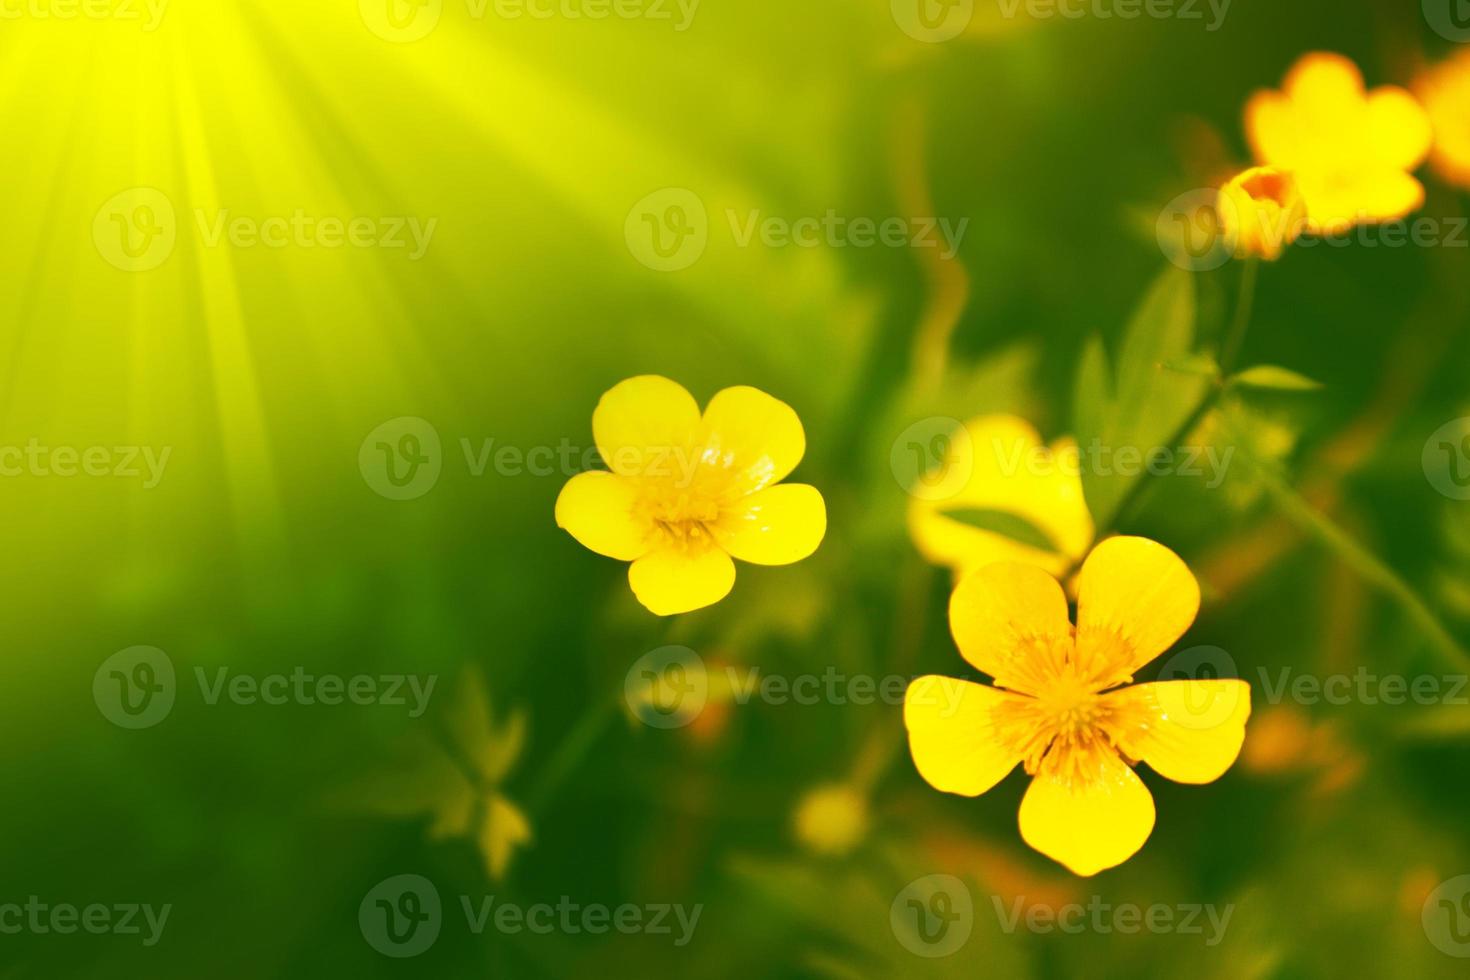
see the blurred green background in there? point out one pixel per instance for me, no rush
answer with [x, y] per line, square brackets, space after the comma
[264, 547]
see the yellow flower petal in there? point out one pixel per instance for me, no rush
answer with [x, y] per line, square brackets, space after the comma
[1088, 825]
[951, 736]
[670, 581]
[1008, 619]
[1134, 599]
[1007, 471]
[1398, 128]
[597, 509]
[1349, 149]
[505, 829]
[757, 438]
[1338, 202]
[1445, 91]
[1188, 731]
[1271, 127]
[646, 424]
[774, 526]
[1325, 86]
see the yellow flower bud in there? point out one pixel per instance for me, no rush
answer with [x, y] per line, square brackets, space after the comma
[832, 819]
[1263, 211]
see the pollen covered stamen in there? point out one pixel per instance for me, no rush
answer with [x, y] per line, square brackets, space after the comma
[683, 518]
[1065, 729]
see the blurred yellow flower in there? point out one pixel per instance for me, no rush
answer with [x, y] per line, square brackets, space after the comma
[832, 819]
[1057, 705]
[1445, 91]
[1263, 212]
[1351, 150]
[455, 779]
[686, 493]
[1003, 467]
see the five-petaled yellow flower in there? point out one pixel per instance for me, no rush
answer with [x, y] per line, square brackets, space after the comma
[1263, 211]
[999, 463]
[1352, 151]
[1058, 706]
[1445, 90]
[686, 492]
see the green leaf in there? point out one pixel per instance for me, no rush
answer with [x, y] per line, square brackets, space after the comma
[1002, 522]
[1202, 365]
[1151, 402]
[1275, 378]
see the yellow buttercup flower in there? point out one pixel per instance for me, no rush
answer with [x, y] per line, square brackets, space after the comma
[1445, 91]
[1058, 706]
[1263, 212]
[1000, 465]
[686, 492]
[1352, 151]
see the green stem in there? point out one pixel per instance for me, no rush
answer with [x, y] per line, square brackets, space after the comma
[1296, 509]
[569, 755]
[1244, 305]
[1234, 338]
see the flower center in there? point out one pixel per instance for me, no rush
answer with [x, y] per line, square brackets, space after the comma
[682, 517]
[1062, 730]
